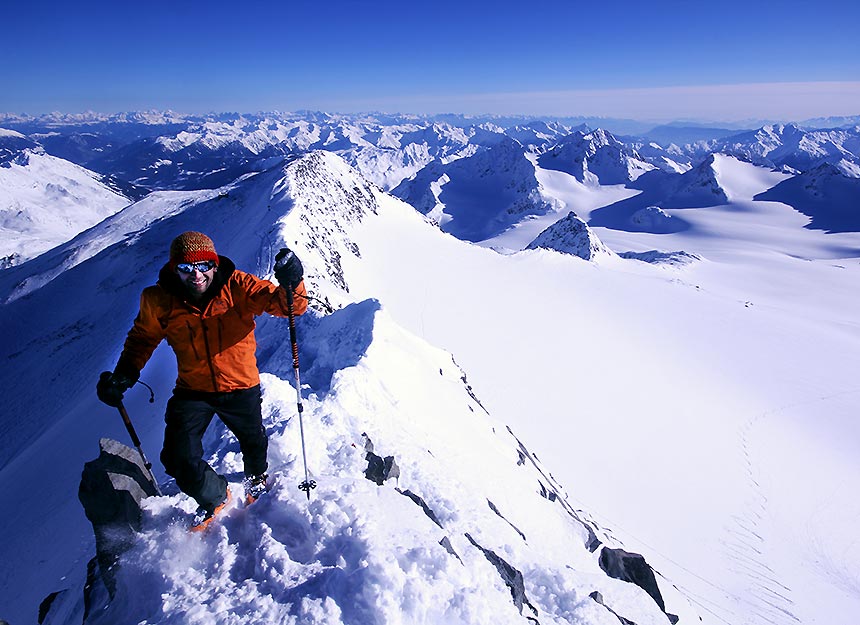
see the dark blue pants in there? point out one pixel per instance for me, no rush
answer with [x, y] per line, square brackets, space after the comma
[188, 415]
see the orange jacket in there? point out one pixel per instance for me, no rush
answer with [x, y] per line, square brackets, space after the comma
[215, 347]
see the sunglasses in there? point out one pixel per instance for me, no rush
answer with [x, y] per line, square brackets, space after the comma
[202, 267]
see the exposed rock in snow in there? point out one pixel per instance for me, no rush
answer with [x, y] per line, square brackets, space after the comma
[631, 567]
[112, 488]
[656, 257]
[512, 577]
[328, 197]
[571, 235]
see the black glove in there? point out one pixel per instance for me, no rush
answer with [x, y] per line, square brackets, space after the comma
[288, 269]
[112, 386]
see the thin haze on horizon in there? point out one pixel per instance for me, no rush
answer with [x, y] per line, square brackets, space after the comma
[717, 61]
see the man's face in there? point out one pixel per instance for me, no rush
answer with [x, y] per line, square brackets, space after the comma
[196, 277]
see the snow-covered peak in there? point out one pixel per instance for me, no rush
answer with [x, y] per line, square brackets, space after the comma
[10, 133]
[791, 146]
[827, 194]
[481, 193]
[571, 235]
[45, 200]
[700, 186]
[595, 157]
[538, 134]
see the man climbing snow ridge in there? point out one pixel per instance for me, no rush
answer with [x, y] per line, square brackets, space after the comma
[205, 308]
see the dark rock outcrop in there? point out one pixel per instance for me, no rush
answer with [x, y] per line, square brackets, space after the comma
[495, 509]
[378, 468]
[632, 567]
[512, 577]
[112, 487]
[423, 504]
[446, 543]
[598, 598]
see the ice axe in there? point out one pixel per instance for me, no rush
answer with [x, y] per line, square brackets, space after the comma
[134, 439]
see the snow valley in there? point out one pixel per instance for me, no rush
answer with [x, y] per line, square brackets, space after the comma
[572, 341]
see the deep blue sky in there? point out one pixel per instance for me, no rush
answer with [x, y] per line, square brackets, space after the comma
[642, 60]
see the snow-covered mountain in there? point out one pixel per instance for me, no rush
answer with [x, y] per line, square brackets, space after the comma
[595, 158]
[475, 530]
[571, 235]
[170, 151]
[827, 194]
[477, 196]
[45, 200]
[790, 147]
[699, 187]
[691, 396]
[398, 152]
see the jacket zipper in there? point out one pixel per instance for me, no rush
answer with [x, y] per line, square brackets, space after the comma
[209, 355]
[191, 339]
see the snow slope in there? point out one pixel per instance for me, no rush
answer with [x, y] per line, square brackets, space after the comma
[45, 201]
[688, 406]
[361, 553]
[700, 413]
[358, 552]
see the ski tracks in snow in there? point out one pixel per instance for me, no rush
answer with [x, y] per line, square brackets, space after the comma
[766, 600]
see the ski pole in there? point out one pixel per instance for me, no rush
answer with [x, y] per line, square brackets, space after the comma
[134, 439]
[308, 484]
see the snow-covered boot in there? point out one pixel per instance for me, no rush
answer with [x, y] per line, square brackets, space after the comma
[203, 518]
[255, 486]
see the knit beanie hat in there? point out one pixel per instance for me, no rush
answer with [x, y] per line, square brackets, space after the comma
[192, 247]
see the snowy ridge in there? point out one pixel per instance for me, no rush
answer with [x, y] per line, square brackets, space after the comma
[696, 397]
[361, 553]
[358, 552]
[45, 200]
[321, 197]
[788, 146]
[126, 223]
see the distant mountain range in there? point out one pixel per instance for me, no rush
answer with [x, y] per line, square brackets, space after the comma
[636, 275]
[475, 177]
[164, 150]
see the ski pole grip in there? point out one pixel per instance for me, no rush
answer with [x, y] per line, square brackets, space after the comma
[293, 338]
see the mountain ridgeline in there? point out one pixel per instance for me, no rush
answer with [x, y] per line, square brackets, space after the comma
[473, 528]
[475, 178]
[429, 509]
